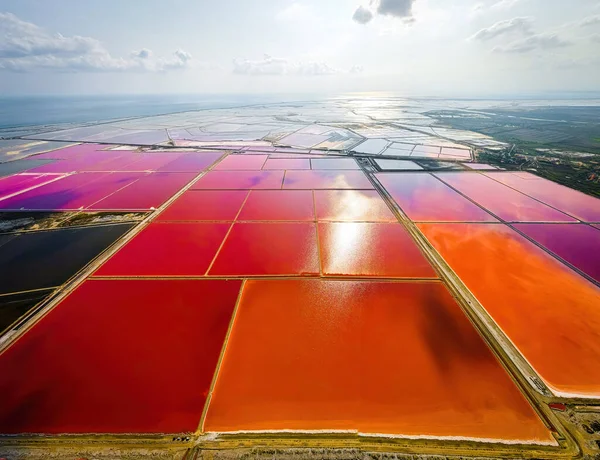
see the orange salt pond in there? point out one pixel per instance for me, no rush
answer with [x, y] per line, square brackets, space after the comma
[376, 357]
[548, 311]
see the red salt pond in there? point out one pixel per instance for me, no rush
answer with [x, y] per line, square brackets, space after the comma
[326, 179]
[352, 205]
[72, 151]
[88, 194]
[287, 163]
[117, 161]
[191, 162]
[240, 180]
[88, 162]
[18, 182]
[205, 205]
[369, 249]
[126, 356]
[502, 201]
[150, 191]
[286, 205]
[577, 204]
[151, 161]
[242, 162]
[167, 249]
[253, 249]
[65, 193]
[424, 198]
[578, 244]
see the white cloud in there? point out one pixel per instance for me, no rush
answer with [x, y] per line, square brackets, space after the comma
[402, 9]
[180, 60]
[524, 38]
[144, 53]
[25, 46]
[514, 26]
[266, 66]
[477, 9]
[595, 38]
[534, 42]
[20, 39]
[590, 21]
[280, 66]
[362, 15]
[397, 8]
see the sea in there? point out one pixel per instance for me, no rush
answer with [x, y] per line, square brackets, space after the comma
[19, 111]
[22, 111]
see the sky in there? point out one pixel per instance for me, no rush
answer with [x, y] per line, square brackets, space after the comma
[444, 48]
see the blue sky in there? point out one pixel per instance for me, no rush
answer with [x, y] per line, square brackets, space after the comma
[410, 47]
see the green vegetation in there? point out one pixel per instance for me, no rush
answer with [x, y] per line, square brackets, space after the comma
[559, 143]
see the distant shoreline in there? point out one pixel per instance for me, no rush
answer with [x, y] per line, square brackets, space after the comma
[34, 110]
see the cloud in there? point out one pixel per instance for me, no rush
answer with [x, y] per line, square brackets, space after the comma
[20, 39]
[144, 53]
[397, 8]
[590, 21]
[521, 26]
[530, 40]
[25, 47]
[595, 38]
[180, 60]
[534, 42]
[477, 9]
[266, 66]
[280, 66]
[362, 15]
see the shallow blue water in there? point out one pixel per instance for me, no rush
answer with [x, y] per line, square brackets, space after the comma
[39, 110]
